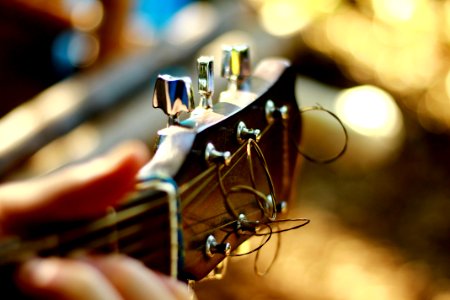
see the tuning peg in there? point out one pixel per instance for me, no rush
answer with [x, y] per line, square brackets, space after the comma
[205, 65]
[282, 207]
[219, 157]
[244, 134]
[212, 247]
[236, 65]
[173, 95]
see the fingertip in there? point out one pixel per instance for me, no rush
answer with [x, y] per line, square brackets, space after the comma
[56, 278]
[123, 161]
[37, 276]
[179, 289]
[138, 281]
[135, 150]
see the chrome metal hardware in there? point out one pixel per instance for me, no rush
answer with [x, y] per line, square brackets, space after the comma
[243, 133]
[236, 65]
[173, 95]
[273, 113]
[242, 225]
[269, 207]
[205, 65]
[218, 157]
[282, 207]
[212, 247]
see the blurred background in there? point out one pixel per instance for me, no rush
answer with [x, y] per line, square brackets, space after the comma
[76, 78]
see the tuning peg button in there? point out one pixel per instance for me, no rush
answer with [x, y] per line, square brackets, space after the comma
[205, 65]
[213, 156]
[243, 133]
[275, 113]
[212, 247]
[173, 95]
[282, 207]
[236, 65]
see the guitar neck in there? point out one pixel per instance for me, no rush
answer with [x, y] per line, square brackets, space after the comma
[138, 228]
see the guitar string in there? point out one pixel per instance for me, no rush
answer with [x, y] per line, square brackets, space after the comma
[253, 226]
[257, 194]
[302, 221]
[239, 152]
[256, 269]
[212, 188]
[234, 189]
[209, 182]
[244, 188]
[73, 236]
[319, 108]
[101, 223]
[218, 182]
[262, 160]
[52, 240]
[124, 214]
[97, 226]
[251, 144]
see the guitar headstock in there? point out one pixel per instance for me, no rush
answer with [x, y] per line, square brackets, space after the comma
[217, 178]
[231, 162]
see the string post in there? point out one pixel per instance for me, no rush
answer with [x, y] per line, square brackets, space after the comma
[212, 247]
[218, 157]
[282, 207]
[243, 225]
[269, 207]
[274, 113]
[244, 134]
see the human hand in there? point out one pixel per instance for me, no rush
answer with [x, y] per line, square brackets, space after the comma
[85, 190]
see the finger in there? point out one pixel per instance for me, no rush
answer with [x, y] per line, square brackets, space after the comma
[56, 278]
[133, 280]
[83, 190]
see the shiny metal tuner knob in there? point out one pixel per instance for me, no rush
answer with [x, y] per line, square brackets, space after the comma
[236, 64]
[282, 207]
[212, 247]
[205, 65]
[244, 134]
[173, 95]
[213, 156]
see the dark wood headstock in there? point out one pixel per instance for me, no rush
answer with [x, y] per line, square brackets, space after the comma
[268, 106]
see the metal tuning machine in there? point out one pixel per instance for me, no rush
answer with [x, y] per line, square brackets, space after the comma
[273, 113]
[205, 66]
[173, 95]
[236, 66]
[213, 156]
[212, 247]
[243, 133]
